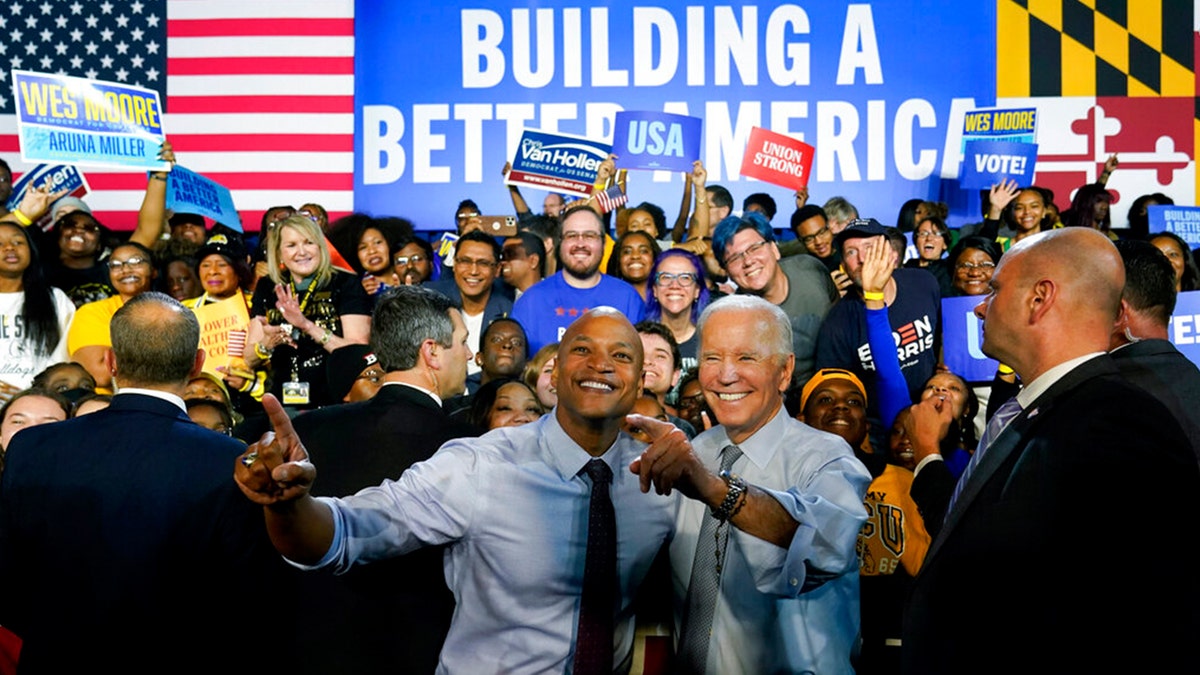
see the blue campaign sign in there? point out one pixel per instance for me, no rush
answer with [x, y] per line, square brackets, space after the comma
[1184, 328]
[73, 120]
[843, 76]
[189, 192]
[656, 140]
[1182, 220]
[557, 162]
[59, 176]
[962, 340]
[989, 162]
[1017, 125]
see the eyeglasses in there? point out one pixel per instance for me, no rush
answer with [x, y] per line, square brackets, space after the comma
[968, 266]
[132, 262]
[410, 259]
[685, 279]
[470, 262]
[928, 235]
[589, 237]
[750, 250]
[90, 228]
[311, 216]
[819, 234]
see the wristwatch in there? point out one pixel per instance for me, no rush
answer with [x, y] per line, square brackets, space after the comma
[736, 487]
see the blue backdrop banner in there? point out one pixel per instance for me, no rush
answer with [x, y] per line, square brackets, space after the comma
[443, 94]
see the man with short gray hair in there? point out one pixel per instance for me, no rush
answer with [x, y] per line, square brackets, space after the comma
[766, 604]
[391, 616]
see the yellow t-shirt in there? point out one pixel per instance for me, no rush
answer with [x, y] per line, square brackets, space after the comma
[90, 324]
[894, 535]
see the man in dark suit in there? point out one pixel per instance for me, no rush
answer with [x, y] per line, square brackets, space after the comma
[1139, 340]
[1061, 549]
[391, 616]
[122, 542]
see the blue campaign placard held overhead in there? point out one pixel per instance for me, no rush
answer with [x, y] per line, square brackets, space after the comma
[73, 120]
[189, 192]
[656, 140]
[989, 162]
[962, 340]
[556, 162]
[884, 118]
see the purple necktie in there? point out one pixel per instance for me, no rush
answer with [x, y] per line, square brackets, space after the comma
[594, 641]
[1003, 416]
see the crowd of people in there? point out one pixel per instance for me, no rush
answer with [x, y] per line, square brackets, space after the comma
[603, 429]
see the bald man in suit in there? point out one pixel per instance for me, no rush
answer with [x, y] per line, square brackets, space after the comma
[1061, 551]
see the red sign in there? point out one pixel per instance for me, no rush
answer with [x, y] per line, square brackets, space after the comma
[777, 159]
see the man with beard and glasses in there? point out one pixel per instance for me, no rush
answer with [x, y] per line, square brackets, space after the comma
[549, 306]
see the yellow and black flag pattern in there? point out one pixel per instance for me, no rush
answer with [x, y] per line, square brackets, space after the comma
[1095, 48]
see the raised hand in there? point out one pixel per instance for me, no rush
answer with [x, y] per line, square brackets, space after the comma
[275, 469]
[288, 305]
[699, 175]
[877, 267]
[669, 463]
[999, 196]
[801, 197]
[928, 425]
[37, 200]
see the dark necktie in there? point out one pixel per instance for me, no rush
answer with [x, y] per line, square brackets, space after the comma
[594, 643]
[1000, 419]
[705, 583]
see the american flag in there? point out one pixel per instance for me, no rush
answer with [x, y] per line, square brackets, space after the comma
[610, 199]
[259, 96]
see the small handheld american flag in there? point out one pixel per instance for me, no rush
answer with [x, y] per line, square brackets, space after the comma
[610, 199]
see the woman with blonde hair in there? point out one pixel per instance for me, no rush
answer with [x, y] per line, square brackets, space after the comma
[303, 311]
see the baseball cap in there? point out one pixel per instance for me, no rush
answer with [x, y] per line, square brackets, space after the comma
[826, 374]
[861, 227]
[66, 205]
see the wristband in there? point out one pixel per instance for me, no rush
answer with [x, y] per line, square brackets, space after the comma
[872, 295]
[1004, 370]
[155, 176]
[21, 217]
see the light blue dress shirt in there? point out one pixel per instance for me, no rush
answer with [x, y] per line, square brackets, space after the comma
[514, 512]
[793, 610]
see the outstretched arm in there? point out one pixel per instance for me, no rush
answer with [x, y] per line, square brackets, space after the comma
[519, 204]
[681, 221]
[152, 217]
[276, 473]
[670, 463]
[892, 388]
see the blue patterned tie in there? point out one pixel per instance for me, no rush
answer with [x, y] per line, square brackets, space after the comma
[594, 641]
[704, 586]
[1003, 416]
